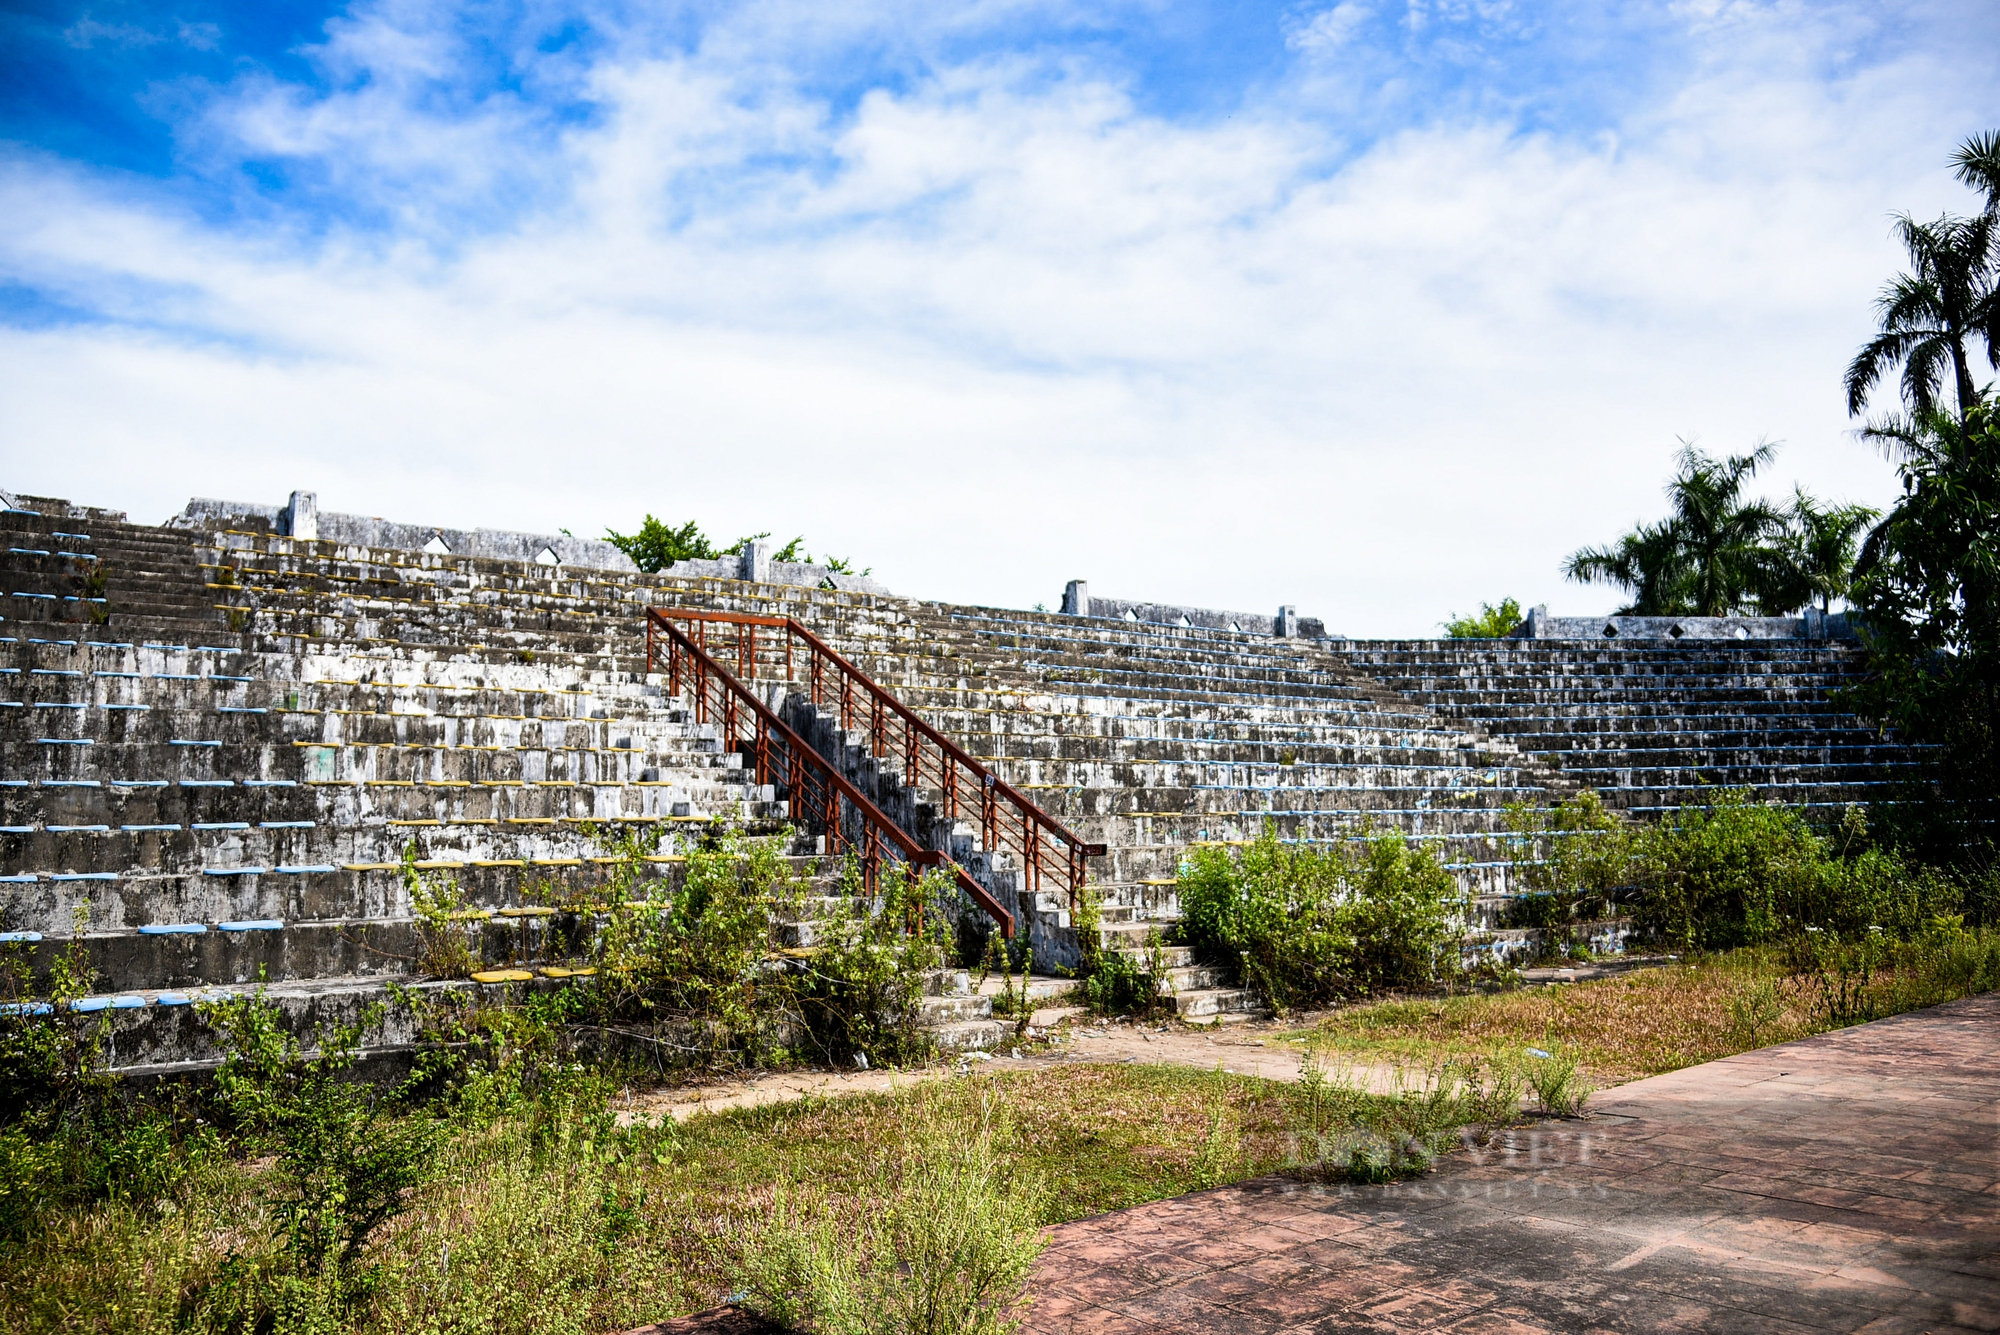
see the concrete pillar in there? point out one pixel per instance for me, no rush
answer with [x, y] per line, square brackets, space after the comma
[302, 515]
[1076, 598]
[1538, 622]
[1287, 625]
[755, 562]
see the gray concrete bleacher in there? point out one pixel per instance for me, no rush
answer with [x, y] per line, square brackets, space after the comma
[1654, 725]
[249, 731]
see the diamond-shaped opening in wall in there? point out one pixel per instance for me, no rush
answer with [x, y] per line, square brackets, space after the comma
[1130, 615]
[1742, 632]
[1610, 631]
[437, 546]
[1184, 621]
[1677, 632]
[1238, 629]
[547, 557]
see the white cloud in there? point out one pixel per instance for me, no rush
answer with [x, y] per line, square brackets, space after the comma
[1328, 30]
[87, 32]
[997, 327]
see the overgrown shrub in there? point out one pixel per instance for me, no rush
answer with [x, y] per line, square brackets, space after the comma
[1308, 926]
[1570, 860]
[345, 1154]
[1124, 983]
[68, 1135]
[702, 976]
[698, 968]
[1730, 872]
[1739, 872]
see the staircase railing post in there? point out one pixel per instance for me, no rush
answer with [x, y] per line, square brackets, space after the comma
[989, 816]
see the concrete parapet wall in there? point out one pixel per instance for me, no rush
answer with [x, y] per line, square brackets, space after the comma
[300, 517]
[1284, 623]
[1813, 625]
[367, 531]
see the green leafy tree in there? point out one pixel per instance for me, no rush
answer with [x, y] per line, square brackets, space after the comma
[1928, 587]
[656, 547]
[1933, 315]
[1712, 556]
[1490, 623]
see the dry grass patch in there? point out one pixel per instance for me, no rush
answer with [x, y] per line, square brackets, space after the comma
[1656, 1020]
[1622, 1028]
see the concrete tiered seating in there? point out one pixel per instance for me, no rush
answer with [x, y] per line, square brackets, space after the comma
[1145, 738]
[1651, 725]
[220, 812]
[505, 702]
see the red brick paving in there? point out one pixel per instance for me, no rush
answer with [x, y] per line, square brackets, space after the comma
[1848, 1182]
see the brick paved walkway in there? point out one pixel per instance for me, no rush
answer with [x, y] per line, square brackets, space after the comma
[1849, 1182]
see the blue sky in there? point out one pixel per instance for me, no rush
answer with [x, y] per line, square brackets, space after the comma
[1374, 308]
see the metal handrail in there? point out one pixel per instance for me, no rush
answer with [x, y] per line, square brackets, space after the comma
[812, 786]
[1047, 850]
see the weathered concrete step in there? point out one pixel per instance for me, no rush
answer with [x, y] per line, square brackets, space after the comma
[1219, 1005]
[969, 1035]
[938, 1011]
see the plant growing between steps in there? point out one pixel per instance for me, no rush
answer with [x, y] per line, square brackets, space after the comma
[443, 929]
[92, 587]
[1118, 982]
[1010, 1001]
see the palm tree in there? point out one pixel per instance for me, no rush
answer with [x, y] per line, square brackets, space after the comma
[1816, 559]
[1710, 557]
[1932, 313]
[1978, 165]
[1646, 561]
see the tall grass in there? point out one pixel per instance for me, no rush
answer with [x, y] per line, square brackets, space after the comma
[941, 1242]
[915, 1210]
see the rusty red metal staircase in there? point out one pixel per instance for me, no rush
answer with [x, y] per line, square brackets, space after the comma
[1050, 856]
